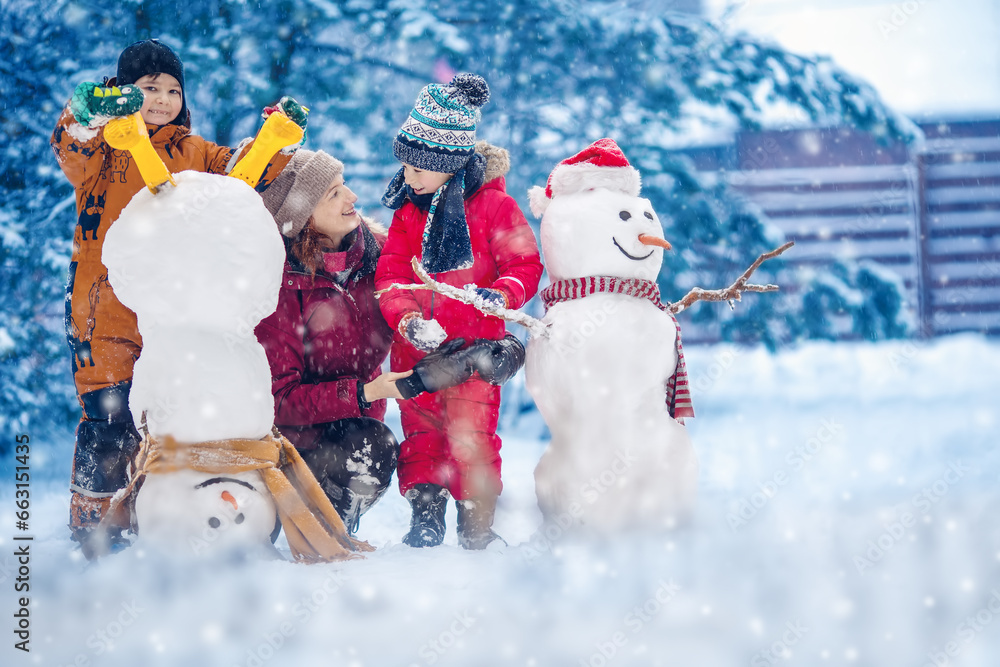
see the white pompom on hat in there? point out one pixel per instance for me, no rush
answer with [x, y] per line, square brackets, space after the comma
[602, 164]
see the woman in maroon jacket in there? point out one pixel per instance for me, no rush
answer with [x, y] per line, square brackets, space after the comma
[327, 339]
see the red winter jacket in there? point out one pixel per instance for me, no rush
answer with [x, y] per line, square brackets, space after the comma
[505, 258]
[323, 338]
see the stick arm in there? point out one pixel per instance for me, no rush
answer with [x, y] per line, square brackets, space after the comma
[733, 292]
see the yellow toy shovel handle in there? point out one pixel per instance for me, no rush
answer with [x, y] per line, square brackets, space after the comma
[277, 132]
[128, 133]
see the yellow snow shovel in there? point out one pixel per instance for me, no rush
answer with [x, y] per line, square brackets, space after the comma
[128, 133]
[277, 132]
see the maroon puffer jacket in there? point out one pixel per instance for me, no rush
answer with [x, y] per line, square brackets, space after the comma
[326, 334]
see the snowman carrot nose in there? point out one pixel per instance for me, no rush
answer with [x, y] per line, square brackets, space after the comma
[649, 239]
[228, 497]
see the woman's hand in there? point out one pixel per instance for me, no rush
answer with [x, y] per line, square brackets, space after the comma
[384, 386]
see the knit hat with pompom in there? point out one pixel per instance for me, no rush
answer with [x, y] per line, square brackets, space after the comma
[440, 133]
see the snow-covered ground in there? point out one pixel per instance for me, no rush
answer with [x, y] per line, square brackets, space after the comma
[846, 517]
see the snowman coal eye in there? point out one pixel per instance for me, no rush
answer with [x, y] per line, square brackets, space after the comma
[648, 215]
[624, 215]
[214, 523]
[239, 518]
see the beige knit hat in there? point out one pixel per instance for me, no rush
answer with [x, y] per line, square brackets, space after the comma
[293, 195]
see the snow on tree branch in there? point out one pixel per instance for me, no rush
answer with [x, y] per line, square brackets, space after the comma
[469, 296]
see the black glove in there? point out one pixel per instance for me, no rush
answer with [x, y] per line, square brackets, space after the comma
[444, 367]
[496, 361]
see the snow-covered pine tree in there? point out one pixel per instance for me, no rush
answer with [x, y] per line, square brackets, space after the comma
[37, 216]
[869, 294]
[562, 74]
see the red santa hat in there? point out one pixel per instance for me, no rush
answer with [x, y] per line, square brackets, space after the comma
[600, 165]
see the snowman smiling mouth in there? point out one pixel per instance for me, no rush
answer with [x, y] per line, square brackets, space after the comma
[645, 239]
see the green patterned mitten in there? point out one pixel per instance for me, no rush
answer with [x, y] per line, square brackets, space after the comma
[297, 113]
[94, 104]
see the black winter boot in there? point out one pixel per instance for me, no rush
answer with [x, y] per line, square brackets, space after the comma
[96, 542]
[427, 528]
[475, 521]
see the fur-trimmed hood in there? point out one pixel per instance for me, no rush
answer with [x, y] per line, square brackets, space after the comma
[497, 160]
[375, 227]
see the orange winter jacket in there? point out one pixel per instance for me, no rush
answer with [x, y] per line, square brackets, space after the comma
[106, 179]
[103, 333]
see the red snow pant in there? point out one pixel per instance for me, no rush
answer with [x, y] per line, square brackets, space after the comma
[104, 338]
[451, 440]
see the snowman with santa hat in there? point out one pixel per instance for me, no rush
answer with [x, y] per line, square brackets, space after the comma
[606, 368]
[609, 375]
[605, 365]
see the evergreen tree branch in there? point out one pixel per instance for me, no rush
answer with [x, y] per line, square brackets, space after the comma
[372, 61]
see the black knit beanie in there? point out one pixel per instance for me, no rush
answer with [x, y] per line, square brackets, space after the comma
[151, 56]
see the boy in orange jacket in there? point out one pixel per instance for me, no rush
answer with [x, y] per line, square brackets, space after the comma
[102, 333]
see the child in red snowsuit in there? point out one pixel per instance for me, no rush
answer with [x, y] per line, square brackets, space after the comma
[453, 213]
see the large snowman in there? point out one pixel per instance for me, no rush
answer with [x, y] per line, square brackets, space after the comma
[609, 376]
[200, 264]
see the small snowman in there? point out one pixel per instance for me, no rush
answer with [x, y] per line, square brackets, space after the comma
[199, 259]
[200, 264]
[609, 375]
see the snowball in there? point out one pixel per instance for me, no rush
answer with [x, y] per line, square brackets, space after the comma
[81, 133]
[584, 234]
[430, 335]
[197, 386]
[192, 514]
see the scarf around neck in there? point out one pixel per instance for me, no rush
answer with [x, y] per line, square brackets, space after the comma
[446, 243]
[315, 531]
[355, 261]
[678, 392]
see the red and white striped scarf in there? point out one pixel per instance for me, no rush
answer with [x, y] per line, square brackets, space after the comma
[678, 392]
